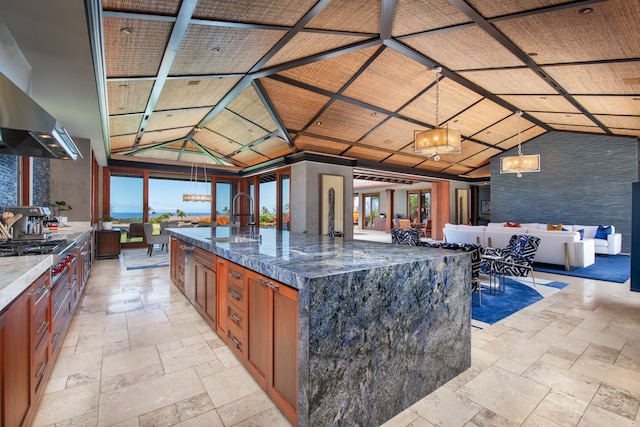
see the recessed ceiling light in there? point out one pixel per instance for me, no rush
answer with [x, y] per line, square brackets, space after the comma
[585, 10]
[318, 123]
[123, 86]
[374, 113]
[216, 50]
[127, 31]
[543, 97]
[532, 54]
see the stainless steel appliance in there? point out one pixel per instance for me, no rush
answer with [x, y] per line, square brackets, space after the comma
[26, 129]
[31, 225]
[35, 247]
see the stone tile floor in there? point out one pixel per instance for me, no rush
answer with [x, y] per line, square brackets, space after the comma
[138, 354]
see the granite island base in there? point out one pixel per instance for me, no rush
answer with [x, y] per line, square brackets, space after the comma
[379, 326]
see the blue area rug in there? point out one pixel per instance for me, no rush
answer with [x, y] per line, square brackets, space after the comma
[610, 268]
[136, 259]
[517, 296]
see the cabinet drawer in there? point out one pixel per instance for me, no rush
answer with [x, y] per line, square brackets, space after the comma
[236, 317]
[40, 326]
[59, 323]
[235, 275]
[59, 294]
[40, 366]
[235, 295]
[235, 341]
[205, 258]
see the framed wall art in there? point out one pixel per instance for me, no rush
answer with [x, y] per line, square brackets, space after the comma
[331, 204]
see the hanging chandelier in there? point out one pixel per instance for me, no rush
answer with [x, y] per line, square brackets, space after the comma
[438, 140]
[520, 163]
[197, 197]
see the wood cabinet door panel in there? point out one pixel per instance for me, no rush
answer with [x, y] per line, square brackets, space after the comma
[221, 287]
[285, 345]
[258, 327]
[17, 362]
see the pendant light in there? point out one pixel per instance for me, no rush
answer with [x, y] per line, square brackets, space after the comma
[197, 197]
[520, 163]
[438, 140]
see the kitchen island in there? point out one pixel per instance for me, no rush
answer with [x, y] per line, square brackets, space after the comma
[379, 326]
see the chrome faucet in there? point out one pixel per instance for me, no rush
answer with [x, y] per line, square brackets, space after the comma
[252, 221]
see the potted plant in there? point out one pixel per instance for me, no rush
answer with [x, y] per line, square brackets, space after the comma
[107, 222]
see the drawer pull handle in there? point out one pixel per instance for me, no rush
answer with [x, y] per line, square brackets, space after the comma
[235, 341]
[220, 261]
[55, 338]
[235, 318]
[43, 368]
[263, 282]
[235, 275]
[236, 296]
[42, 327]
[273, 286]
[41, 290]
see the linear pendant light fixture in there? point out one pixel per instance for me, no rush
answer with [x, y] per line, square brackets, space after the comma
[520, 163]
[197, 197]
[438, 140]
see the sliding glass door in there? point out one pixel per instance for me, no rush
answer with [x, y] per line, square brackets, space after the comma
[371, 205]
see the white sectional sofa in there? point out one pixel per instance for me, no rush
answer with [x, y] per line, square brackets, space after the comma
[565, 248]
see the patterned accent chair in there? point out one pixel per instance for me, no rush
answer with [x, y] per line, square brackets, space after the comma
[518, 257]
[476, 253]
[406, 236]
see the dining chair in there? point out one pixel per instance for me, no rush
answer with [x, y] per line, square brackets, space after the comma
[404, 223]
[151, 239]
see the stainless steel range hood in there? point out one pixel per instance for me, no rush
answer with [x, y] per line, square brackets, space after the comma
[26, 129]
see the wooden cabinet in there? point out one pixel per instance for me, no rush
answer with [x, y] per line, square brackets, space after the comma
[40, 333]
[16, 363]
[84, 262]
[205, 299]
[24, 353]
[108, 244]
[221, 296]
[272, 340]
[256, 316]
[62, 302]
[176, 263]
[235, 310]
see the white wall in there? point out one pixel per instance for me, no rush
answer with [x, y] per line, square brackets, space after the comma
[71, 182]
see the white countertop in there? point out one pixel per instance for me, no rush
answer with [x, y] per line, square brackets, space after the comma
[18, 272]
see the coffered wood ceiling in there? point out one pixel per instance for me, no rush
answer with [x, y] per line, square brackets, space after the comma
[237, 83]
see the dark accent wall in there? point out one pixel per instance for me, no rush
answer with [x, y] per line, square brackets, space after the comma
[583, 179]
[8, 181]
[41, 172]
[41, 181]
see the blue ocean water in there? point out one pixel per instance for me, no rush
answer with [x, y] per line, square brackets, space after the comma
[132, 215]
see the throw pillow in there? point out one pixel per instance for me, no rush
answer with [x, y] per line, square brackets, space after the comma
[603, 232]
[552, 227]
[581, 231]
[512, 224]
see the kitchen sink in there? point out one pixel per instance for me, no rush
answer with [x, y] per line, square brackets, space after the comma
[233, 239]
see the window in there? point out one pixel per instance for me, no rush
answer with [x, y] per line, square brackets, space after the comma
[223, 202]
[419, 205]
[268, 200]
[285, 199]
[371, 209]
[126, 198]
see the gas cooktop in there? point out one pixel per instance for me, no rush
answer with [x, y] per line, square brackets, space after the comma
[31, 247]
